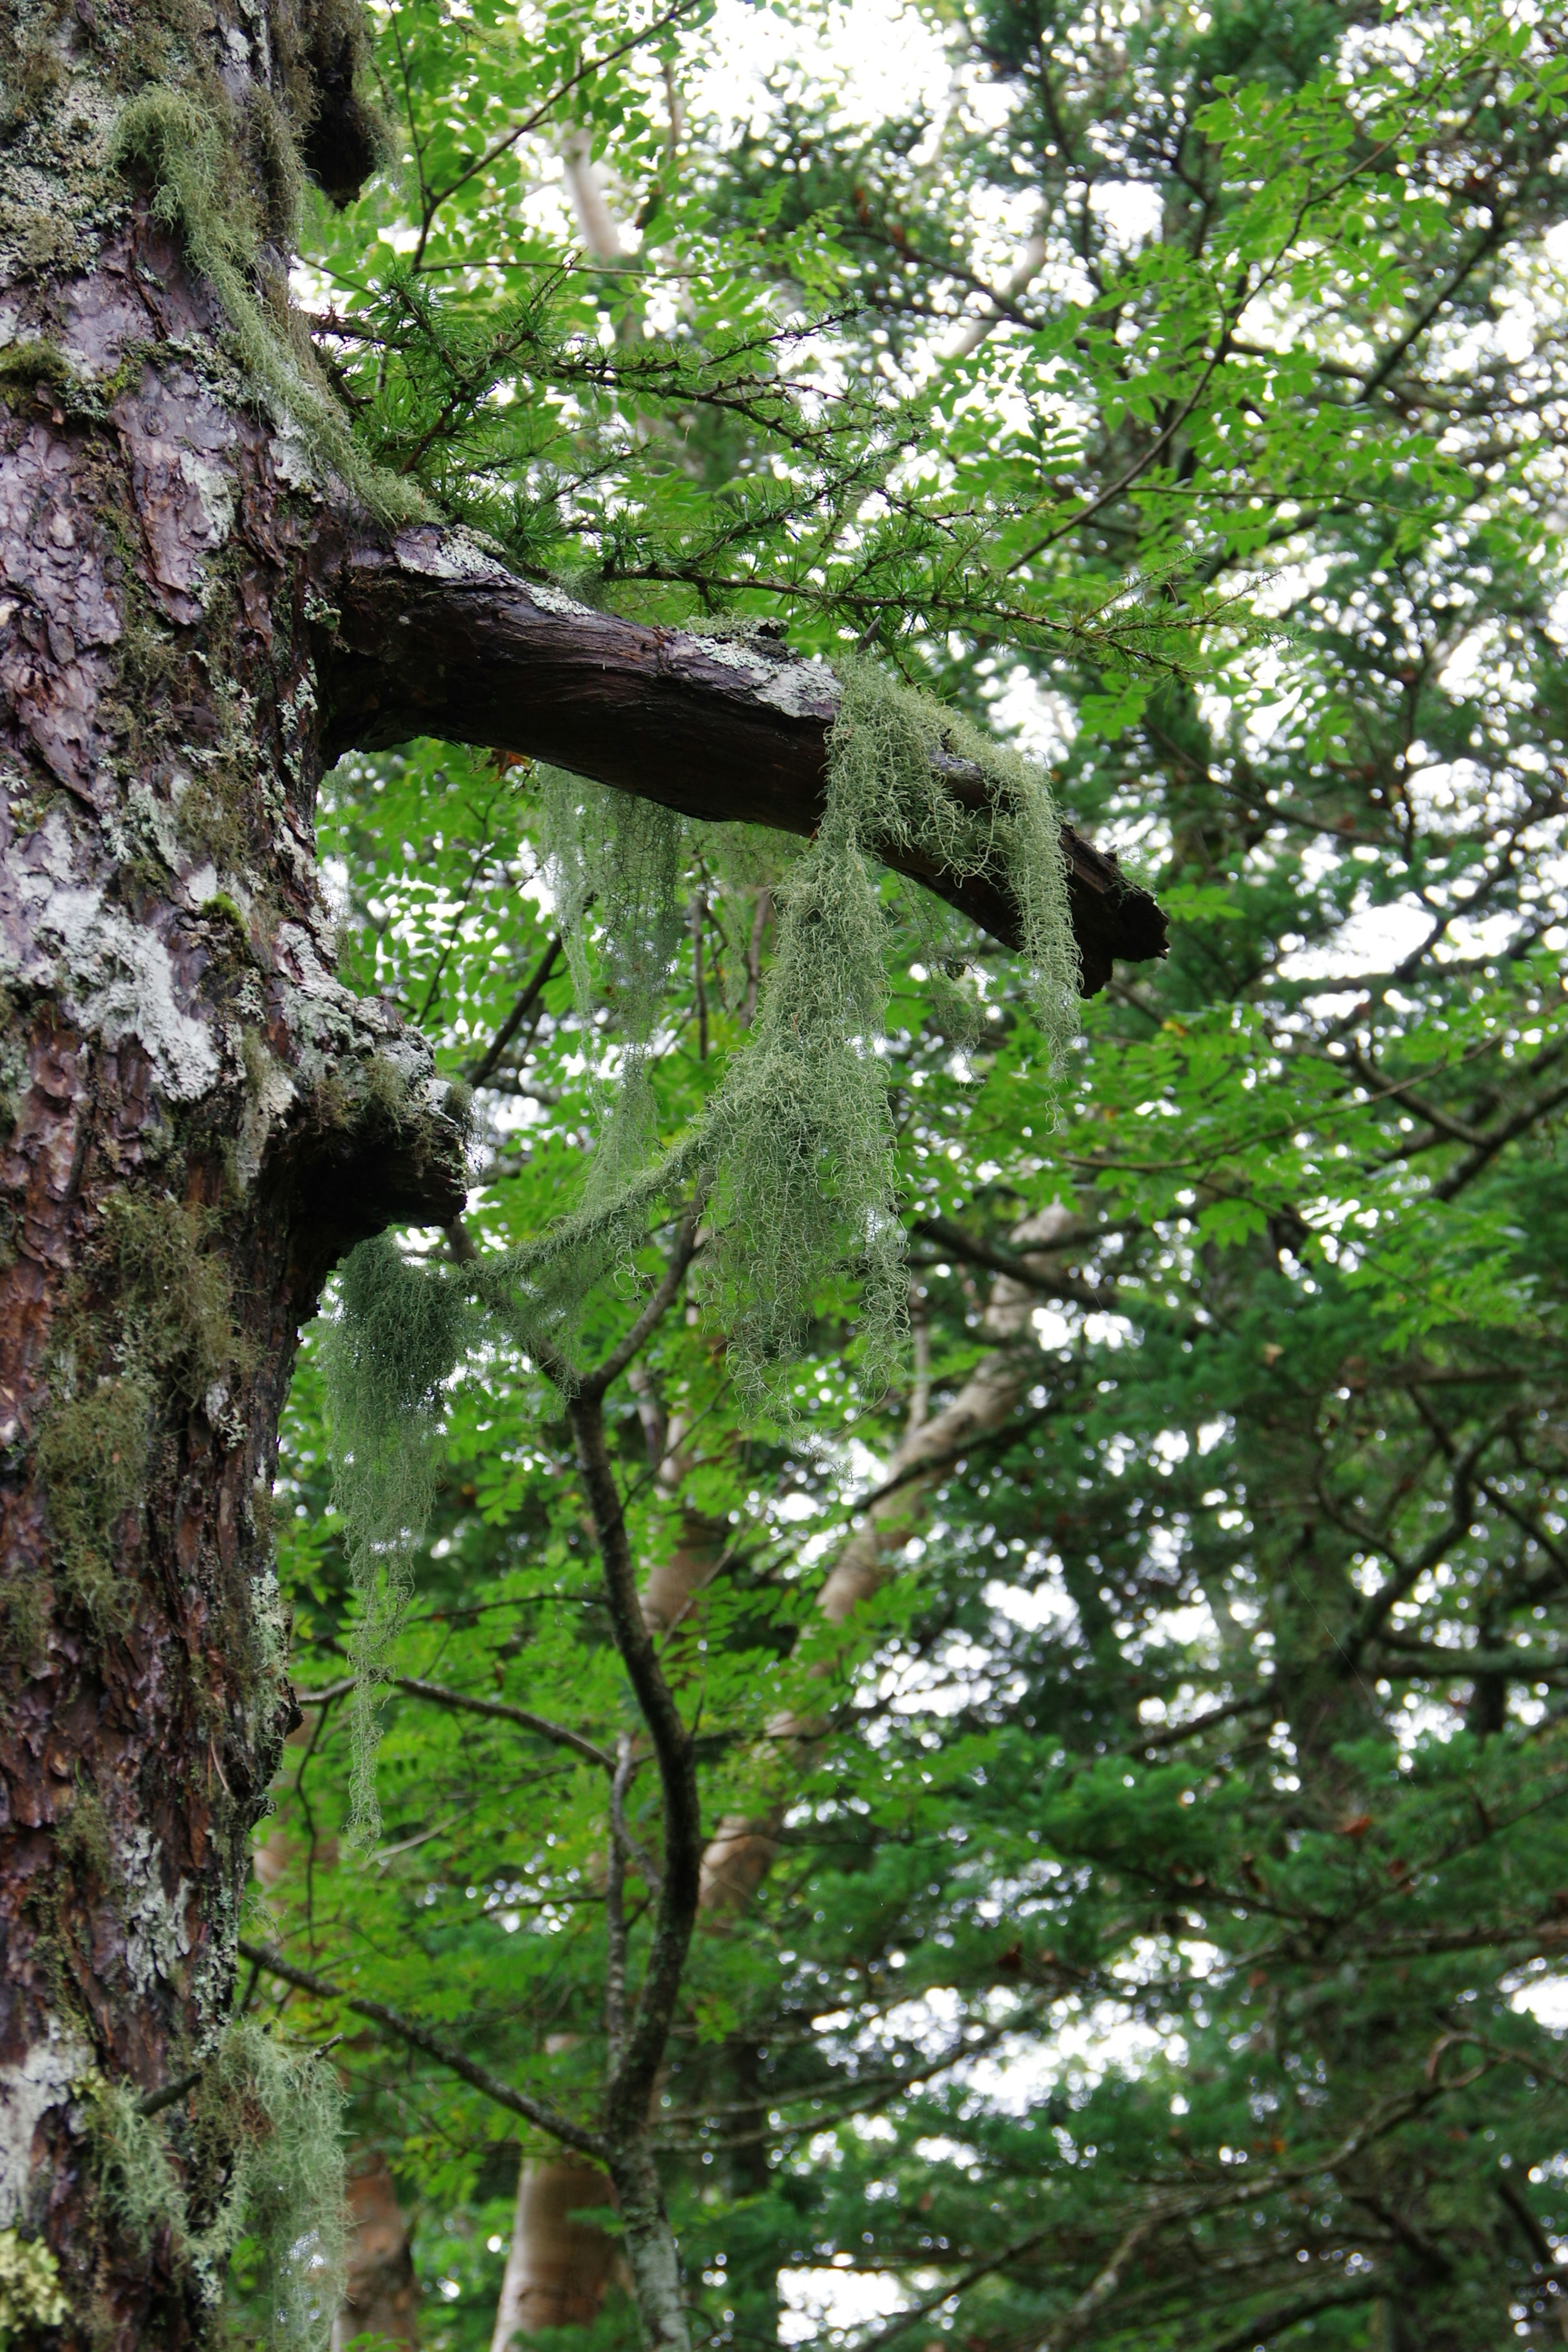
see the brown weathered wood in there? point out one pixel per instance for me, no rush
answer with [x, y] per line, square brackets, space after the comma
[430, 635]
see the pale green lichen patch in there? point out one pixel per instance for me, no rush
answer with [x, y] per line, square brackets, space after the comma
[30, 2293]
[33, 362]
[171, 1339]
[265, 2121]
[58, 199]
[174, 1291]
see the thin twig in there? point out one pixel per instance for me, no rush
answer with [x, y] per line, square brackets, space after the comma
[502, 1710]
[477, 1072]
[615, 1904]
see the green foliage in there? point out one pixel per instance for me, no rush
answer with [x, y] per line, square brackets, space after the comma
[1166, 1926]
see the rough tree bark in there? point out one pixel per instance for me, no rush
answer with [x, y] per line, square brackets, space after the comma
[199, 1118]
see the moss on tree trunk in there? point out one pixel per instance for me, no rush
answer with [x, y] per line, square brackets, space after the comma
[197, 1119]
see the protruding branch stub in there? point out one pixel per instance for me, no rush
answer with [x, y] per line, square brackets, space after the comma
[435, 636]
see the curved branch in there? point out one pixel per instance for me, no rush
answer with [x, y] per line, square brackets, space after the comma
[431, 635]
[635, 2062]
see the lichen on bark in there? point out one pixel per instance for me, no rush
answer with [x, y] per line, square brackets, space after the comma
[200, 1117]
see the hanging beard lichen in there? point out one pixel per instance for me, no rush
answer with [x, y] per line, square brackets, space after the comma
[792, 1162]
[622, 857]
[268, 2121]
[800, 1139]
[384, 1356]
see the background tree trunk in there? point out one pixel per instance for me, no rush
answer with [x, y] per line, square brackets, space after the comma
[380, 2293]
[557, 2265]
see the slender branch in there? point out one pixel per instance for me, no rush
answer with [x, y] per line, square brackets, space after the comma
[436, 637]
[477, 1072]
[1024, 1270]
[1488, 242]
[633, 2074]
[755, 957]
[698, 917]
[1416, 1660]
[538, 2112]
[905, 2320]
[1268, 2324]
[1169, 1733]
[615, 1905]
[1488, 1148]
[171, 2095]
[540, 113]
[499, 1709]
[657, 1307]
[1410, 1572]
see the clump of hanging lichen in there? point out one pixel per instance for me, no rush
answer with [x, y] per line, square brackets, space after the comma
[801, 1140]
[266, 2120]
[623, 857]
[182, 148]
[791, 1163]
[385, 1354]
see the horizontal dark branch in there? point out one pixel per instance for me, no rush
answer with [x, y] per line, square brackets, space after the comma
[433, 636]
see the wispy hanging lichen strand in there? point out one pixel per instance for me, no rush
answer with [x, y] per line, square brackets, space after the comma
[170, 136]
[622, 857]
[794, 1154]
[881, 772]
[385, 1354]
[800, 1138]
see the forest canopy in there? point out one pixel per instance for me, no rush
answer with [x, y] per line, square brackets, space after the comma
[1091, 1513]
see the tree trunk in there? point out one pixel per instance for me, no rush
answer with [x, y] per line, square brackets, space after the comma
[381, 2295]
[194, 614]
[557, 2265]
[198, 1119]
